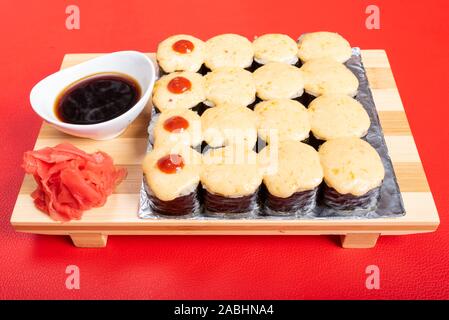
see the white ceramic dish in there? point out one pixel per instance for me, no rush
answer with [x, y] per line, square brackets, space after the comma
[133, 63]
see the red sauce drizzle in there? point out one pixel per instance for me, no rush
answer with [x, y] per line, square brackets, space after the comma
[170, 163]
[183, 46]
[179, 85]
[176, 124]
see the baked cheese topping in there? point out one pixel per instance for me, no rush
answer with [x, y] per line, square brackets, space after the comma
[295, 168]
[275, 47]
[171, 60]
[228, 50]
[164, 99]
[187, 135]
[169, 186]
[282, 119]
[230, 85]
[231, 171]
[229, 124]
[326, 76]
[338, 116]
[278, 80]
[317, 45]
[351, 165]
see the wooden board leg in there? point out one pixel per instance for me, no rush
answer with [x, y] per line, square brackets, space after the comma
[359, 240]
[89, 240]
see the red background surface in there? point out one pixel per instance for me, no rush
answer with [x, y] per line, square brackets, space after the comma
[33, 42]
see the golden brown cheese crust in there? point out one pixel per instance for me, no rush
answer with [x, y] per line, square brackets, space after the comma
[171, 61]
[296, 167]
[166, 186]
[231, 172]
[275, 47]
[338, 116]
[230, 85]
[164, 99]
[351, 165]
[228, 50]
[188, 137]
[228, 124]
[326, 76]
[277, 80]
[317, 45]
[282, 119]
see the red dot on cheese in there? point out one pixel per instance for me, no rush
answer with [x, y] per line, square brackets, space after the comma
[176, 124]
[179, 85]
[183, 46]
[170, 163]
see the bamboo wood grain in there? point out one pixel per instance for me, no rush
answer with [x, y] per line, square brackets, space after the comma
[119, 215]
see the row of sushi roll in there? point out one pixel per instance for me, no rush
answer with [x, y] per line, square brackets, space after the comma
[327, 117]
[229, 82]
[187, 53]
[236, 86]
[207, 157]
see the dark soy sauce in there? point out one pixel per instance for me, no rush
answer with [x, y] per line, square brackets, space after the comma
[97, 98]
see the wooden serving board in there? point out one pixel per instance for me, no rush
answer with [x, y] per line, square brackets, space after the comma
[119, 215]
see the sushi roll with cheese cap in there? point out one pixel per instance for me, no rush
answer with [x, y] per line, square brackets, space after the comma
[277, 80]
[338, 116]
[282, 120]
[181, 53]
[172, 178]
[353, 174]
[292, 176]
[228, 50]
[230, 177]
[327, 76]
[275, 47]
[318, 45]
[230, 85]
[177, 127]
[229, 124]
[179, 90]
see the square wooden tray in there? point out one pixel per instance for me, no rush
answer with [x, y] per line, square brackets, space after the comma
[119, 215]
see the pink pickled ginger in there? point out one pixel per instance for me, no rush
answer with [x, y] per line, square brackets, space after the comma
[70, 181]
